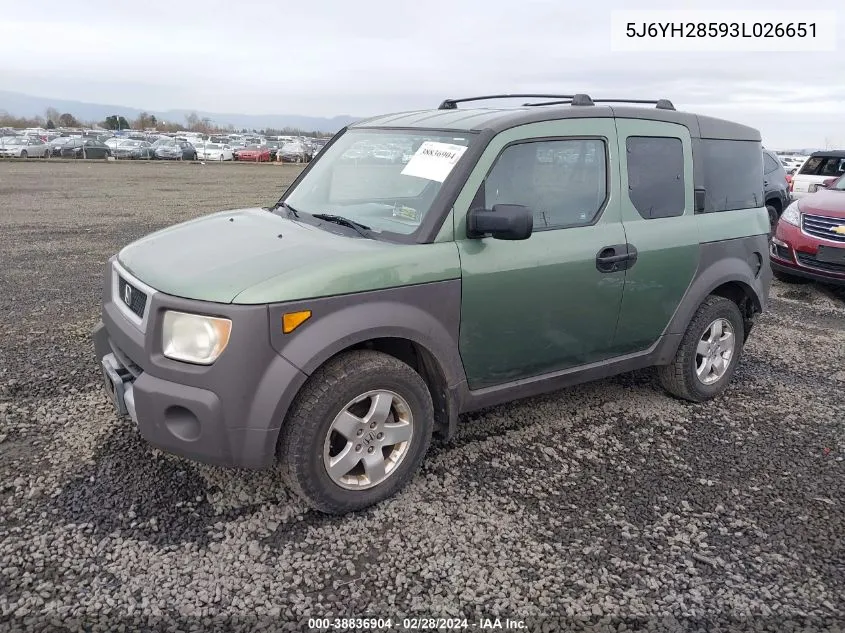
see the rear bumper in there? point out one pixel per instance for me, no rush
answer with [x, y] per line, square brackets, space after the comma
[228, 413]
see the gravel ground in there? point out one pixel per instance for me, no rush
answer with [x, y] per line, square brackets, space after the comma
[605, 507]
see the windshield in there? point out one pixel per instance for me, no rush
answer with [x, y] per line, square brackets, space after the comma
[839, 185]
[384, 179]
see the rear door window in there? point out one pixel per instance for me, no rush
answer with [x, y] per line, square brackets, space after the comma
[656, 176]
[769, 164]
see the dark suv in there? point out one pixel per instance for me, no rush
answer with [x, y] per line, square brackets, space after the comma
[517, 251]
[775, 186]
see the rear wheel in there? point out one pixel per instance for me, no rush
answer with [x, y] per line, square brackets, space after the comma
[357, 432]
[708, 354]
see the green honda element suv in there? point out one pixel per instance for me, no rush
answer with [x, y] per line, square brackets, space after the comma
[435, 262]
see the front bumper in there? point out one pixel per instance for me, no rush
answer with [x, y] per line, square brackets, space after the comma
[793, 252]
[228, 413]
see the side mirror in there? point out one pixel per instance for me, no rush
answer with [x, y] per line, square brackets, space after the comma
[829, 182]
[503, 222]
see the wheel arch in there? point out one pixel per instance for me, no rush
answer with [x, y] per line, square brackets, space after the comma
[775, 202]
[735, 269]
[418, 325]
[422, 360]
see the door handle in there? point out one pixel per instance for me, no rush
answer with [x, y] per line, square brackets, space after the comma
[611, 259]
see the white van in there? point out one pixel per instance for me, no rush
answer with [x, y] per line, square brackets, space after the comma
[820, 166]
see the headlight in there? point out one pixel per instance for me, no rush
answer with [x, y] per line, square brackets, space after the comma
[194, 338]
[792, 215]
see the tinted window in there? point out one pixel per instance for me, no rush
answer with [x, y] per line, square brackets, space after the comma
[832, 167]
[823, 166]
[656, 176]
[564, 183]
[732, 174]
[769, 164]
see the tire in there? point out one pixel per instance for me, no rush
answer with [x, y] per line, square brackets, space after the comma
[307, 439]
[24, 154]
[773, 217]
[680, 378]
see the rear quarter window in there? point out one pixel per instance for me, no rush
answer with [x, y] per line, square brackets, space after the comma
[770, 164]
[732, 174]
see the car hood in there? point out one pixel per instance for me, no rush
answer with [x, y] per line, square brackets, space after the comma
[824, 202]
[252, 256]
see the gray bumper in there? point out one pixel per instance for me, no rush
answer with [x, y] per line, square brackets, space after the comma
[228, 413]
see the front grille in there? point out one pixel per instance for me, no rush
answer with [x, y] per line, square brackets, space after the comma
[811, 262]
[820, 226]
[137, 299]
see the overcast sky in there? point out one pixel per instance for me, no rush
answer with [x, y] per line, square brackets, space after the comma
[331, 57]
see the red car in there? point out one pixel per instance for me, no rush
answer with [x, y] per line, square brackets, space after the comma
[809, 240]
[253, 152]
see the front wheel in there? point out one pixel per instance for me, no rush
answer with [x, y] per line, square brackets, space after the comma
[708, 354]
[357, 432]
[24, 154]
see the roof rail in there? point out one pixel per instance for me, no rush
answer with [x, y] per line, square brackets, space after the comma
[586, 100]
[452, 104]
[660, 104]
[577, 100]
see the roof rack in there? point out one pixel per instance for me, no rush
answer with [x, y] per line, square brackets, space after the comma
[576, 100]
[452, 104]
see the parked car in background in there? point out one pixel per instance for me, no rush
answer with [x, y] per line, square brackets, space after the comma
[273, 146]
[318, 145]
[24, 147]
[215, 151]
[255, 153]
[85, 148]
[114, 141]
[809, 242]
[775, 186]
[171, 149]
[57, 143]
[293, 152]
[133, 150]
[792, 163]
[820, 166]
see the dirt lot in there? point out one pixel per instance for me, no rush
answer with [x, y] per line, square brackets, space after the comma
[610, 504]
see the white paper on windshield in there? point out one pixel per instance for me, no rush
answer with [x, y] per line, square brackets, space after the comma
[434, 161]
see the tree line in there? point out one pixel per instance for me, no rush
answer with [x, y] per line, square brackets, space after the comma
[52, 119]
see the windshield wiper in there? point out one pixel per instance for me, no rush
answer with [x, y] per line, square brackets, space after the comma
[363, 229]
[291, 210]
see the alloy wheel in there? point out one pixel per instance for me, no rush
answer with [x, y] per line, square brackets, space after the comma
[368, 440]
[715, 351]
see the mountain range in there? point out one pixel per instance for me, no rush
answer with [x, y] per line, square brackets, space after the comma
[23, 105]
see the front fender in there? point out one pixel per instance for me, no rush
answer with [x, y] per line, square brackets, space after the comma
[426, 314]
